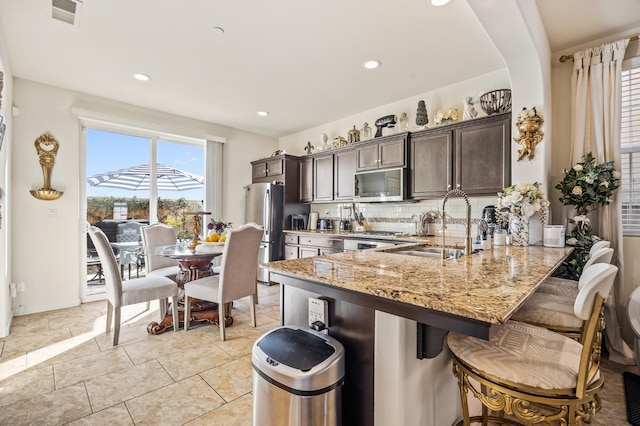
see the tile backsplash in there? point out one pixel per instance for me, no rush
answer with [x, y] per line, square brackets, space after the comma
[397, 217]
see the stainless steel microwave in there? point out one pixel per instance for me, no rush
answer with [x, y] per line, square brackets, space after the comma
[379, 185]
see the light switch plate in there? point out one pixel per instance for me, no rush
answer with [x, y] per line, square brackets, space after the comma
[318, 311]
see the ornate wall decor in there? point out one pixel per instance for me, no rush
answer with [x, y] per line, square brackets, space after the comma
[47, 148]
[528, 123]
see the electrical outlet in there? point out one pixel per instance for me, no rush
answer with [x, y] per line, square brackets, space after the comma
[318, 311]
[21, 286]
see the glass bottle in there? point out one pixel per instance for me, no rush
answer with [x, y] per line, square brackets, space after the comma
[365, 132]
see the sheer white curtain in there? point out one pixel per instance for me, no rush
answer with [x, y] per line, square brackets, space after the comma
[596, 117]
[213, 178]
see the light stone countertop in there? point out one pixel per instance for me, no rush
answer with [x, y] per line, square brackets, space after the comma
[487, 286]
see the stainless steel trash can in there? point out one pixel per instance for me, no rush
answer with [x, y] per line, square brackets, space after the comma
[298, 375]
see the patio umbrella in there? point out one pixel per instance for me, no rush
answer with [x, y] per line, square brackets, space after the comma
[137, 178]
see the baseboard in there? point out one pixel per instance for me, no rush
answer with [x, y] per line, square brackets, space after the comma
[45, 308]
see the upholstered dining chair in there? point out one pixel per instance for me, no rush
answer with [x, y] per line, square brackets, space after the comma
[633, 315]
[154, 236]
[237, 279]
[555, 312]
[569, 288]
[532, 373]
[121, 293]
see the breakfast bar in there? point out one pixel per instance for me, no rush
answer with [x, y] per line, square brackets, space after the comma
[391, 309]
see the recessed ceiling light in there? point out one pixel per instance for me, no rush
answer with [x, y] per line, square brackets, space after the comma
[439, 2]
[218, 30]
[141, 77]
[373, 64]
[262, 113]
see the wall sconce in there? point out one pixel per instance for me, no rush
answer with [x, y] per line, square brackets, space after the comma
[528, 123]
[47, 148]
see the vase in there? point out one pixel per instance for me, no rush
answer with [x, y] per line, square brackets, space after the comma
[526, 231]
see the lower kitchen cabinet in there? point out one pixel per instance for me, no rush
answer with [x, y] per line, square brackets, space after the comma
[300, 246]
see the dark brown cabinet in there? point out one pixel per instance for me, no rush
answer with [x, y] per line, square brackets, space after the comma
[306, 180]
[323, 178]
[474, 155]
[344, 165]
[387, 152]
[281, 168]
[311, 246]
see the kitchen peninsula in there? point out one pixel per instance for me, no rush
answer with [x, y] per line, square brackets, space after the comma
[392, 311]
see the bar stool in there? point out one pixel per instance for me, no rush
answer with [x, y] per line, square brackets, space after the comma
[534, 375]
[555, 312]
[569, 288]
[633, 314]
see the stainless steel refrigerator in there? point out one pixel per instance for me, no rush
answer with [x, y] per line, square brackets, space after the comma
[264, 205]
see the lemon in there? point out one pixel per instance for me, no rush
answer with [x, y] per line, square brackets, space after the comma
[214, 238]
[222, 239]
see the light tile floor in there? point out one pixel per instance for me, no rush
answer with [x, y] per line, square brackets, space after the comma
[60, 368]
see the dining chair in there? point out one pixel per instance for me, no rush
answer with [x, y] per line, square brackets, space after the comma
[532, 373]
[633, 316]
[154, 236]
[569, 288]
[237, 279]
[555, 312]
[121, 293]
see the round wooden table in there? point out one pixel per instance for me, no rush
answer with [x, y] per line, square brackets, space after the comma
[193, 265]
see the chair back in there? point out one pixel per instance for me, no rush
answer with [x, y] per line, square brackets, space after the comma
[157, 235]
[599, 245]
[597, 281]
[239, 265]
[604, 255]
[110, 268]
[128, 231]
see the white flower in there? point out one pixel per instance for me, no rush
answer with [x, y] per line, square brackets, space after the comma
[616, 174]
[572, 241]
[577, 167]
[577, 190]
[580, 218]
[605, 184]
[589, 180]
[515, 196]
[527, 209]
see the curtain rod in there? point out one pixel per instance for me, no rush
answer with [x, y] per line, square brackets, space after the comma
[565, 58]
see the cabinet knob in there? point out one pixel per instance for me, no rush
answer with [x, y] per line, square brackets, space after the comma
[449, 186]
[458, 186]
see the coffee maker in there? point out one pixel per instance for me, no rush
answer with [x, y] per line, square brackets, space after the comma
[298, 221]
[345, 219]
[489, 216]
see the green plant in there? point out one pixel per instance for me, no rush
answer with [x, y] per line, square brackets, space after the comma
[588, 185]
[573, 266]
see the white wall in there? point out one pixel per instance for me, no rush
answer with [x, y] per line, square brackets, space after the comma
[47, 254]
[451, 96]
[5, 182]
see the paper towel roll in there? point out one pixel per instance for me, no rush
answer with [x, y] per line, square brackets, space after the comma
[313, 220]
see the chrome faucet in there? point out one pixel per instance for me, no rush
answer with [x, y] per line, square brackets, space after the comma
[468, 242]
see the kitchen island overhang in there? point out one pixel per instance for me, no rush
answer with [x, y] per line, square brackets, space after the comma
[467, 295]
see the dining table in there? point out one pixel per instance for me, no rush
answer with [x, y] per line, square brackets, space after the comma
[194, 264]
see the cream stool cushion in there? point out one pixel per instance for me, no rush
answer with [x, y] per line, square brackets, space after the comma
[549, 309]
[559, 286]
[522, 354]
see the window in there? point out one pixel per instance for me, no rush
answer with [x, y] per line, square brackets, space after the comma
[630, 147]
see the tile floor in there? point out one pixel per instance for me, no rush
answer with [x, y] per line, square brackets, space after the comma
[60, 368]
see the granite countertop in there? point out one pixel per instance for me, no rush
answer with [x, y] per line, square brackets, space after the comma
[429, 239]
[487, 286]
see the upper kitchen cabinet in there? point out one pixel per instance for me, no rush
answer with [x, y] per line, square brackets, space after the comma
[344, 166]
[385, 152]
[280, 168]
[473, 155]
[306, 180]
[323, 177]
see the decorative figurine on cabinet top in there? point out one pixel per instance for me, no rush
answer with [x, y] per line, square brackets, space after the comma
[469, 111]
[309, 147]
[365, 132]
[422, 118]
[388, 121]
[403, 121]
[447, 116]
[339, 141]
[354, 135]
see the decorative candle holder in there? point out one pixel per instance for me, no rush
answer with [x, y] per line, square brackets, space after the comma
[197, 227]
[47, 148]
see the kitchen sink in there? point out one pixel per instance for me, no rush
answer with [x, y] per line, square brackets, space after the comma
[432, 252]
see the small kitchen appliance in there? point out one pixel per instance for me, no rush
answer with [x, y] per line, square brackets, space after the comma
[553, 236]
[489, 216]
[298, 221]
[324, 224]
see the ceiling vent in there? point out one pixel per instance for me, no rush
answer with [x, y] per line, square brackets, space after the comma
[67, 11]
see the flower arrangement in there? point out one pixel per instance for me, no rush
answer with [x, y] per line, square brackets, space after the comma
[218, 226]
[588, 185]
[526, 113]
[449, 115]
[523, 200]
